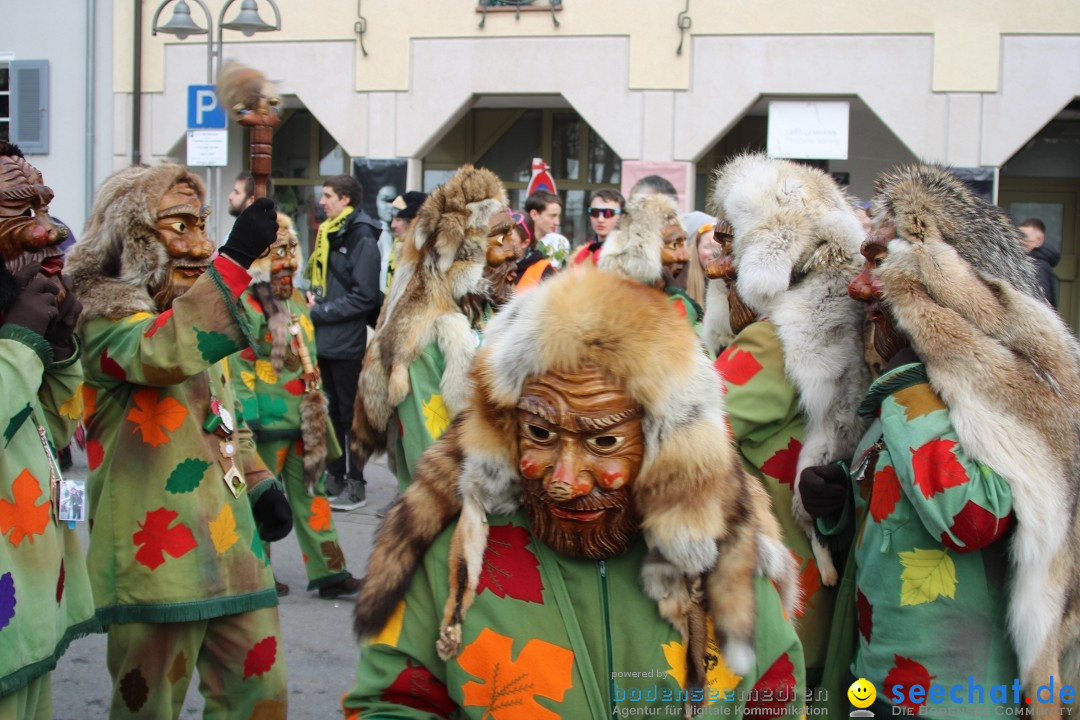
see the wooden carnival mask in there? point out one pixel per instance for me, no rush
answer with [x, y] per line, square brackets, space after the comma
[580, 445]
[721, 266]
[282, 260]
[673, 254]
[181, 225]
[866, 288]
[25, 225]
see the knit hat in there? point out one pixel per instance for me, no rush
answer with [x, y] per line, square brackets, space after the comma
[408, 205]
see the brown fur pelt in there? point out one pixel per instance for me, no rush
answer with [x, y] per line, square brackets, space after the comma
[633, 248]
[450, 242]
[314, 414]
[796, 246]
[959, 286]
[705, 520]
[120, 253]
[243, 88]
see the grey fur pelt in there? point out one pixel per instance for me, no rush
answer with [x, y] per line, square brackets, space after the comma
[633, 248]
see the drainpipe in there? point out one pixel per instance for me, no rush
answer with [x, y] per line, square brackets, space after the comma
[91, 29]
[136, 93]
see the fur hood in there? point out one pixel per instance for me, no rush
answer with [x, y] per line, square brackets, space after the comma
[796, 247]
[959, 286]
[444, 265]
[120, 253]
[633, 248]
[698, 504]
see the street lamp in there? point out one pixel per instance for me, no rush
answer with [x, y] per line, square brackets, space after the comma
[182, 25]
[247, 22]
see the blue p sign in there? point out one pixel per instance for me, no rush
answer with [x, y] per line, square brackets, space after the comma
[204, 110]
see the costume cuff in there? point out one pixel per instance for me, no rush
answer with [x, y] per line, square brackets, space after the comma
[236, 278]
[37, 343]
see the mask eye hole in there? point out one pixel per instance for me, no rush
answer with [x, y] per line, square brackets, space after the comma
[281, 252]
[604, 444]
[538, 434]
[178, 226]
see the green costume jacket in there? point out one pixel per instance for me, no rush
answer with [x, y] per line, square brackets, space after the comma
[169, 541]
[45, 599]
[421, 418]
[931, 565]
[768, 426]
[550, 636]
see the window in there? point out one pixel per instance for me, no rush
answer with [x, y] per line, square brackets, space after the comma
[24, 104]
[5, 101]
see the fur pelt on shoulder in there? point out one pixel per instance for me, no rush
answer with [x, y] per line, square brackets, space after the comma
[450, 240]
[716, 330]
[708, 523]
[120, 253]
[959, 286]
[633, 248]
[796, 248]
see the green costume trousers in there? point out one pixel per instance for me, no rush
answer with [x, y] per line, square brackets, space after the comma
[32, 702]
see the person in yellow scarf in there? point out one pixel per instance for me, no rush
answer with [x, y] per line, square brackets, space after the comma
[345, 295]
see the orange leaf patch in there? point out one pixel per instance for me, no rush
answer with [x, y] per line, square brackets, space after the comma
[320, 514]
[22, 517]
[508, 687]
[152, 415]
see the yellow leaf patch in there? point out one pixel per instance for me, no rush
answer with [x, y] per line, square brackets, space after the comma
[719, 675]
[918, 400]
[73, 407]
[436, 416]
[391, 632]
[928, 574]
[223, 530]
[309, 329]
[265, 372]
[248, 379]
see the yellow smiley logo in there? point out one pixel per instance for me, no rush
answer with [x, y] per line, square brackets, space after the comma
[862, 693]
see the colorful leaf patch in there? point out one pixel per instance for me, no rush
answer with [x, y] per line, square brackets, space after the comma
[89, 399]
[436, 416]
[269, 710]
[810, 582]
[7, 599]
[60, 583]
[918, 400]
[178, 670]
[134, 690]
[159, 322]
[391, 632]
[320, 514]
[110, 367]
[335, 559]
[417, 688]
[23, 517]
[510, 568]
[975, 527]
[906, 672]
[260, 551]
[777, 683]
[718, 678]
[154, 415]
[936, 467]
[885, 495]
[865, 611]
[737, 366]
[72, 408]
[783, 463]
[213, 345]
[156, 538]
[223, 530]
[508, 687]
[16, 422]
[186, 476]
[261, 657]
[265, 372]
[94, 454]
[928, 575]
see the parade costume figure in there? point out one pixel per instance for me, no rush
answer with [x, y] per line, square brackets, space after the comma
[414, 377]
[281, 400]
[587, 469]
[794, 373]
[969, 472]
[45, 599]
[649, 245]
[178, 495]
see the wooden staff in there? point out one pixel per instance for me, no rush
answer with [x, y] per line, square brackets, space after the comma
[253, 101]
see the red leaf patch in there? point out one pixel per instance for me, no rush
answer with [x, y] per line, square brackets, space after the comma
[976, 527]
[248, 354]
[417, 688]
[737, 366]
[906, 672]
[885, 495]
[936, 467]
[783, 464]
[261, 657]
[110, 367]
[157, 538]
[865, 612]
[159, 322]
[774, 690]
[294, 386]
[60, 583]
[94, 454]
[134, 690]
[510, 568]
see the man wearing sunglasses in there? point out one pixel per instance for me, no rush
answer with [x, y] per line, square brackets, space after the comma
[605, 209]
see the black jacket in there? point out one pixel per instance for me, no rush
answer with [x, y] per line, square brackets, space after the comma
[1045, 258]
[352, 290]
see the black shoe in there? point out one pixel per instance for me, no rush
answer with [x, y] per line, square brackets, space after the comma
[282, 588]
[346, 588]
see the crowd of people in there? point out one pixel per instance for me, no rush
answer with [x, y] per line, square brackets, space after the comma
[700, 463]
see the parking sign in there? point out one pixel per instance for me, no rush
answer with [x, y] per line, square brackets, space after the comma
[204, 110]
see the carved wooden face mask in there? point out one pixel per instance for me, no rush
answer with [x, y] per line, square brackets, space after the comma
[284, 259]
[866, 288]
[581, 444]
[181, 225]
[25, 225]
[674, 254]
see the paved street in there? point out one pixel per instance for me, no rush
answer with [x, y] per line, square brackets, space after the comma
[320, 650]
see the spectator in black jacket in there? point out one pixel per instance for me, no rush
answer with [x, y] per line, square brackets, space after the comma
[1044, 256]
[344, 275]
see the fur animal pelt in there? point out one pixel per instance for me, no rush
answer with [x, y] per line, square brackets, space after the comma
[633, 248]
[450, 239]
[716, 325]
[796, 247]
[959, 286]
[120, 253]
[708, 524]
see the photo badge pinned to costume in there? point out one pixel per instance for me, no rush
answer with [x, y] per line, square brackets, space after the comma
[72, 501]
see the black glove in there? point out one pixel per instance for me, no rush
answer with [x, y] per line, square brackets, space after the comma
[35, 305]
[824, 490]
[62, 329]
[273, 517]
[903, 356]
[252, 233]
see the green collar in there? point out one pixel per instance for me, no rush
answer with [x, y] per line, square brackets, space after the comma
[893, 381]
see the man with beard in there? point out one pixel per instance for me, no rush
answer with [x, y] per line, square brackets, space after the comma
[961, 494]
[178, 496]
[457, 271]
[45, 599]
[794, 373]
[278, 387]
[586, 467]
[243, 193]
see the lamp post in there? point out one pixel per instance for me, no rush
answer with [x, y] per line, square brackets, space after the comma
[181, 25]
[248, 21]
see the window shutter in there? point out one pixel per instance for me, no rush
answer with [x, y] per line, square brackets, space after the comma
[30, 106]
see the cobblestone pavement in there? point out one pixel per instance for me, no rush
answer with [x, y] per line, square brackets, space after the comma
[320, 650]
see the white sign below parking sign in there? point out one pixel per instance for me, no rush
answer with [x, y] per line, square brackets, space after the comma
[207, 148]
